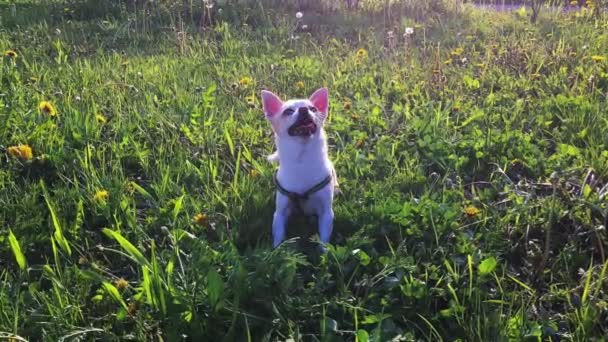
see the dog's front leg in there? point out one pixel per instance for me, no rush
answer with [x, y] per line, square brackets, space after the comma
[279, 220]
[326, 224]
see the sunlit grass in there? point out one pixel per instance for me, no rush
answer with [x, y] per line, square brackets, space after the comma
[137, 200]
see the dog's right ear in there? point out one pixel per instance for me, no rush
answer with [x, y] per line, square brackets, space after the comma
[272, 104]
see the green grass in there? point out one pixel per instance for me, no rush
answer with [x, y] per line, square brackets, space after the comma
[479, 111]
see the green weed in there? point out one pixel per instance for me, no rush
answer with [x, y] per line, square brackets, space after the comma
[136, 200]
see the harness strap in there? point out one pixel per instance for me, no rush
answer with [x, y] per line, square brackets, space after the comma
[297, 197]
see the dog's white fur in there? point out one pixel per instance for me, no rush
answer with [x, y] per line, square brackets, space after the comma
[303, 163]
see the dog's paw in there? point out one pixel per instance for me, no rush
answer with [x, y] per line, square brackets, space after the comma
[321, 249]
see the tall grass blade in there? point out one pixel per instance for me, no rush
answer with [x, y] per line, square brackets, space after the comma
[157, 281]
[113, 292]
[58, 234]
[178, 207]
[19, 257]
[229, 141]
[127, 246]
[587, 287]
[215, 287]
[600, 281]
[431, 327]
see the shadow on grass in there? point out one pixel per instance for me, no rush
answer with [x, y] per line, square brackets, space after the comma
[255, 229]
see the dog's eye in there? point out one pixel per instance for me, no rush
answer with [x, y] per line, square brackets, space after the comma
[288, 111]
[312, 109]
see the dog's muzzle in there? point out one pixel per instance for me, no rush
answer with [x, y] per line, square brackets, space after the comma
[304, 125]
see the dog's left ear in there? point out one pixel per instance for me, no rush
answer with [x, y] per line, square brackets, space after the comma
[320, 99]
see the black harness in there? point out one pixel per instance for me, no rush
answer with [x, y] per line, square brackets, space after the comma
[298, 198]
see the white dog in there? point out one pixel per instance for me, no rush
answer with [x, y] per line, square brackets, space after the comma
[306, 179]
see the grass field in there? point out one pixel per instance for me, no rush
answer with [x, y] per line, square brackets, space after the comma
[137, 201]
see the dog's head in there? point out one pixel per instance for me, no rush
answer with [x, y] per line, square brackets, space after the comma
[302, 118]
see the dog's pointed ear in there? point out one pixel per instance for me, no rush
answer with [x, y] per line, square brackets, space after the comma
[320, 99]
[272, 104]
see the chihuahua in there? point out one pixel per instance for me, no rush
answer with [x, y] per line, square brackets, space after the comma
[306, 179]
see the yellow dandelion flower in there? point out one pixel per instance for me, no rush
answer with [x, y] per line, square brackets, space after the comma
[361, 53]
[245, 81]
[516, 162]
[457, 51]
[254, 173]
[480, 65]
[101, 196]
[100, 119]
[121, 284]
[82, 260]
[34, 79]
[598, 59]
[471, 211]
[250, 100]
[347, 105]
[10, 54]
[23, 152]
[447, 62]
[132, 308]
[47, 108]
[300, 85]
[201, 219]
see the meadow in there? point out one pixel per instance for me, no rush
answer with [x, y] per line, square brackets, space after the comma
[136, 201]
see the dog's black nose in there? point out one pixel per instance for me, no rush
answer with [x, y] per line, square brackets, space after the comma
[303, 111]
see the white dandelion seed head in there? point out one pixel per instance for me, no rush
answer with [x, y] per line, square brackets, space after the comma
[409, 31]
[299, 15]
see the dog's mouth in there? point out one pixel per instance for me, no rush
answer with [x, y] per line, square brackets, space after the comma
[305, 126]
